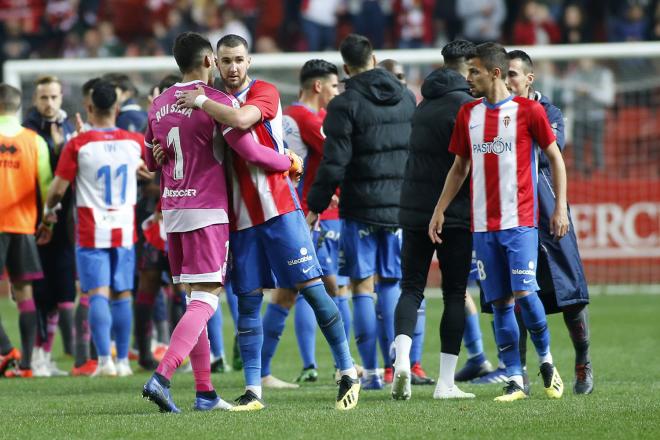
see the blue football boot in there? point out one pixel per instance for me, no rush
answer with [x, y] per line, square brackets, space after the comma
[155, 391]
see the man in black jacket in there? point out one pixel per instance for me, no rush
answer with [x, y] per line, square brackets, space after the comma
[55, 294]
[367, 129]
[444, 91]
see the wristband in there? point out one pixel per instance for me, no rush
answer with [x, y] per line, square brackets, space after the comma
[200, 100]
[48, 211]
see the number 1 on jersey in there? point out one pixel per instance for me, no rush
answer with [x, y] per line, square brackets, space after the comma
[174, 140]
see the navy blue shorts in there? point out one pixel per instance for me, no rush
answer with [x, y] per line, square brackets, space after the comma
[112, 267]
[506, 261]
[368, 250]
[327, 240]
[277, 253]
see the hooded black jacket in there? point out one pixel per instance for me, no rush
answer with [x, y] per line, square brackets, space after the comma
[367, 129]
[444, 92]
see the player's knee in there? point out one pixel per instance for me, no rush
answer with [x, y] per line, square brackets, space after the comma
[503, 303]
[284, 298]
[250, 304]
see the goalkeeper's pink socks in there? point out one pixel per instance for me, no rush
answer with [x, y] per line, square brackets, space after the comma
[187, 333]
[200, 359]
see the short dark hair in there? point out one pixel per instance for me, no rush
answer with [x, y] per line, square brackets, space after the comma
[89, 86]
[104, 96]
[168, 81]
[356, 50]
[458, 49]
[232, 40]
[389, 64]
[316, 69]
[189, 49]
[522, 56]
[122, 81]
[492, 55]
[10, 98]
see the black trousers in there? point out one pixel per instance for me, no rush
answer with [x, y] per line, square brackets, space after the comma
[454, 255]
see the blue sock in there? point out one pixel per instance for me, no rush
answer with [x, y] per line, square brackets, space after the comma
[364, 325]
[329, 319]
[499, 355]
[100, 322]
[507, 335]
[232, 302]
[345, 312]
[381, 335]
[388, 296]
[418, 336]
[250, 336]
[305, 325]
[533, 315]
[214, 328]
[122, 318]
[472, 339]
[273, 324]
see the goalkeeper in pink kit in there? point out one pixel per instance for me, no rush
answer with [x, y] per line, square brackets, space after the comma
[194, 198]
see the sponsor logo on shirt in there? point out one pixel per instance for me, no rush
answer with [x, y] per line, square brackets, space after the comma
[497, 146]
[184, 192]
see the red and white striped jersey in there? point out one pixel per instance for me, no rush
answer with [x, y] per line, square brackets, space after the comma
[303, 134]
[102, 164]
[258, 195]
[499, 139]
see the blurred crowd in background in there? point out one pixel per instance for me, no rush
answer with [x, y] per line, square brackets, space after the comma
[609, 104]
[104, 28]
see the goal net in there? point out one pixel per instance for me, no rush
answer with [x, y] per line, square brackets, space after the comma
[609, 94]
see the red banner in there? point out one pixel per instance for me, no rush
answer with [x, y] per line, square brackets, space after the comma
[617, 223]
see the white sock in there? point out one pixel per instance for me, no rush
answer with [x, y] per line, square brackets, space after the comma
[103, 360]
[402, 344]
[447, 369]
[517, 379]
[123, 361]
[205, 297]
[351, 372]
[368, 373]
[545, 358]
[256, 389]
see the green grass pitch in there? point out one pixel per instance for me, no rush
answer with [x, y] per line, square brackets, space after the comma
[625, 404]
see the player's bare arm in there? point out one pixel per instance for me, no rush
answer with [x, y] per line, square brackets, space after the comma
[559, 224]
[455, 178]
[242, 118]
[55, 194]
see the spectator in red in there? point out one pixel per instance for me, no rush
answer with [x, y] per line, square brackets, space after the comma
[414, 23]
[535, 25]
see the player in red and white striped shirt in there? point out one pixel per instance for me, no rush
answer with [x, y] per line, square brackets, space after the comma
[270, 242]
[102, 163]
[494, 139]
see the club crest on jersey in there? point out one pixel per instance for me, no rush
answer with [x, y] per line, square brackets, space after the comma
[506, 120]
[497, 146]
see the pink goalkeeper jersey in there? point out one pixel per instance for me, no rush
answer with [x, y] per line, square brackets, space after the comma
[102, 163]
[193, 185]
[499, 139]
